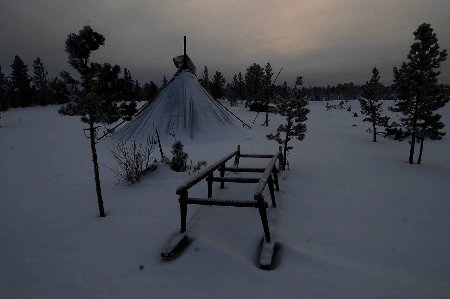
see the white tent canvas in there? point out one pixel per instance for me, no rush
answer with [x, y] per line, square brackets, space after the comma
[184, 109]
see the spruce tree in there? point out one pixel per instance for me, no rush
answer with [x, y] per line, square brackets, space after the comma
[218, 85]
[40, 82]
[150, 90]
[254, 82]
[4, 91]
[98, 99]
[205, 79]
[371, 104]
[293, 106]
[417, 91]
[20, 83]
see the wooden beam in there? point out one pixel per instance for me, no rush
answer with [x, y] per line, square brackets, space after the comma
[255, 156]
[236, 180]
[203, 174]
[224, 202]
[237, 169]
[265, 177]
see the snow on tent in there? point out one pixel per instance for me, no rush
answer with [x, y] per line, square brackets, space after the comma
[183, 108]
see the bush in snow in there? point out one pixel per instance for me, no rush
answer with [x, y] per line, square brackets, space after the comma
[134, 160]
[179, 158]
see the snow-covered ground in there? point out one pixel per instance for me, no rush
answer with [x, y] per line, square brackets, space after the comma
[354, 219]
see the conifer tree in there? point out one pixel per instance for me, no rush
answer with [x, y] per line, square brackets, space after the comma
[254, 82]
[150, 90]
[40, 82]
[293, 106]
[20, 83]
[4, 91]
[218, 85]
[205, 79]
[97, 100]
[417, 90]
[371, 105]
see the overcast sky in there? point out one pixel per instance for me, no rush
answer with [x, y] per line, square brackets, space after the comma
[325, 41]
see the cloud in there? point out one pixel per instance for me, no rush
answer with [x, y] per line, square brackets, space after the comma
[326, 41]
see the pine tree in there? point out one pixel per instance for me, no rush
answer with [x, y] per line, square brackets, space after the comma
[40, 82]
[218, 85]
[268, 74]
[20, 83]
[98, 99]
[150, 90]
[254, 82]
[417, 90]
[4, 91]
[205, 80]
[291, 105]
[58, 90]
[371, 105]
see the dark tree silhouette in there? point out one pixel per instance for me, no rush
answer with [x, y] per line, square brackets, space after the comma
[218, 85]
[98, 99]
[4, 91]
[371, 105]
[205, 79]
[417, 90]
[40, 82]
[291, 105]
[20, 83]
[254, 82]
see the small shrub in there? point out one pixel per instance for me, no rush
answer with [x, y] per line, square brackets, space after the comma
[134, 160]
[179, 158]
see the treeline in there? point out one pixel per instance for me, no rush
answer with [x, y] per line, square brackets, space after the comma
[257, 83]
[24, 87]
[255, 87]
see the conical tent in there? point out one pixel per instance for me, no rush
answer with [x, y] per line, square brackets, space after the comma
[183, 109]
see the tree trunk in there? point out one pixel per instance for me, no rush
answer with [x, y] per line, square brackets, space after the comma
[267, 112]
[411, 149]
[285, 153]
[374, 132]
[96, 172]
[286, 140]
[420, 152]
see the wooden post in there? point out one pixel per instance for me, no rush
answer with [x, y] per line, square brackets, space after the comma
[185, 65]
[210, 182]
[222, 174]
[275, 177]
[272, 192]
[238, 155]
[159, 144]
[280, 159]
[183, 210]
[263, 215]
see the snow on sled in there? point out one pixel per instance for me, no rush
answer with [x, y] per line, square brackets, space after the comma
[176, 244]
[269, 178]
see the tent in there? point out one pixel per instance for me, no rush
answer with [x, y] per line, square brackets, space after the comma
[183, 109]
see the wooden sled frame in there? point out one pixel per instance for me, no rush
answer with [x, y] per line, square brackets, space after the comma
[269, 178]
